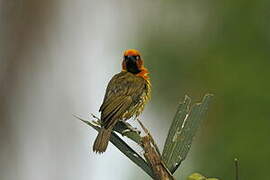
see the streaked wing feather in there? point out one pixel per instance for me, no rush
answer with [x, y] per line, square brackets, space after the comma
[122, 92]
[117, 112]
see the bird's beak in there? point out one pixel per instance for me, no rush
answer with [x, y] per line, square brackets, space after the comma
[131, 59]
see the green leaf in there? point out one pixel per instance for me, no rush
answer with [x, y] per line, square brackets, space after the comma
[197, 176]
[171, 143]
[124, 147]
[183, 129]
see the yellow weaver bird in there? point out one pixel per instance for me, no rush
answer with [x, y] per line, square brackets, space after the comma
[125, 97]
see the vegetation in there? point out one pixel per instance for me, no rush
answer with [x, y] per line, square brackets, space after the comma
[178, 143]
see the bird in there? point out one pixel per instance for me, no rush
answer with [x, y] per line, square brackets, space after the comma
[125, 97]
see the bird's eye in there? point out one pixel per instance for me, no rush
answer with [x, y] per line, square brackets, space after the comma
[137, 57]
[125, 57]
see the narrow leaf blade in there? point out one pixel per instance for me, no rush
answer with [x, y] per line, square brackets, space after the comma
[124, 148]
[178, 120]
[178, 144]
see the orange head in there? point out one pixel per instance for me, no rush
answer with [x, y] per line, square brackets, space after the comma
[132, 61]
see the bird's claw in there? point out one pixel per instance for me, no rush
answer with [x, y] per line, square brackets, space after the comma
[129, 128]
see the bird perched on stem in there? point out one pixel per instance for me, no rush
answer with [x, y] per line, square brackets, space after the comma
[125, 97]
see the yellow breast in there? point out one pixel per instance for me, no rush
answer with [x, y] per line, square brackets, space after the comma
[138, 107]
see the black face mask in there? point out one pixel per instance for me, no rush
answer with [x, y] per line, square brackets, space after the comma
[131, 64]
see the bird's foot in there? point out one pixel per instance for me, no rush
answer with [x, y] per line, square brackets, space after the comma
[130, 128]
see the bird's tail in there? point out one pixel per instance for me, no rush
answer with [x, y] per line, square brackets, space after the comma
[102, 140]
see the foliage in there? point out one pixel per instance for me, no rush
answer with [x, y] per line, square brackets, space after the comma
[178, 143]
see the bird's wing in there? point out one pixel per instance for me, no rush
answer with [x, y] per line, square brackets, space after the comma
[123, 91]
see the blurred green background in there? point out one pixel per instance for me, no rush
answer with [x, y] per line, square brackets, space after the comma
[57, 56]
[228, 56]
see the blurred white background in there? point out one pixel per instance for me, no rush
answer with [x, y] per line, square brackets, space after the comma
[56, 59]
